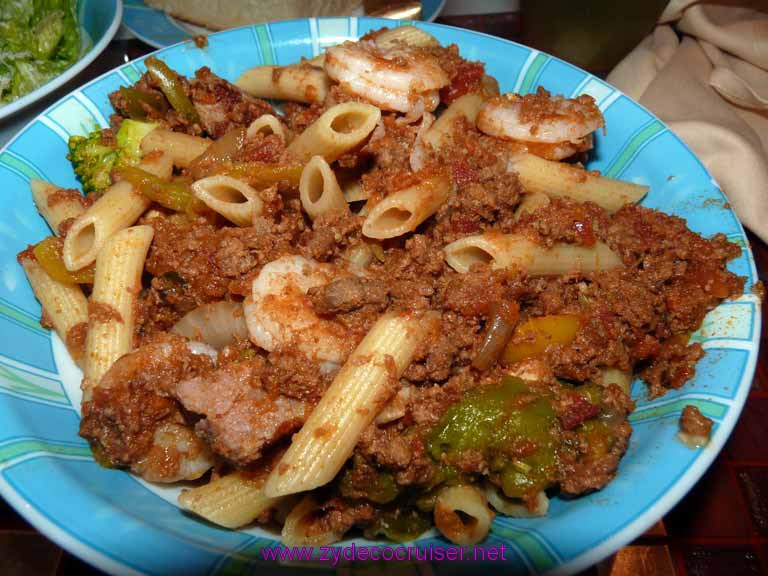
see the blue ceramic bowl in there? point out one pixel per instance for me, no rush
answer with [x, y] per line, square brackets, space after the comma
[123, 525]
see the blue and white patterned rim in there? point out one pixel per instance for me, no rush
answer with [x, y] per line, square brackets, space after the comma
[123, 526]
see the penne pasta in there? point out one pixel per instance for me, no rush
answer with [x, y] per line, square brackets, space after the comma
[514, 507]
[56, 204]
[65, 306]
[318, 189]
[230, 197]
[462, 514]
[350, 404]
[505, 250]
[158, 163]
[111, 308]
[182, 148]
[402, 211]
[232, 501]
[266, 124]
[530, 203]
[466, 106]
[560, 179]
[338, 130]
[119, 207]
[298, 83]
[301, 529]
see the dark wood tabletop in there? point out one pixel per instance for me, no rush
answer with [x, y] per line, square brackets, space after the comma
[720, 527]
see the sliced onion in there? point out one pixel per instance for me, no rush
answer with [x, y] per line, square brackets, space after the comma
[396, 408]
[222, 150]
[217, 324]
[514, 507]
[200, 348]
[499, 328]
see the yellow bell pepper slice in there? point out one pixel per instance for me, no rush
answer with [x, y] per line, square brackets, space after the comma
[532, 337]
[48, 254]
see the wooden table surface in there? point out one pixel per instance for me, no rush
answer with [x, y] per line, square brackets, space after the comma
[721, 527]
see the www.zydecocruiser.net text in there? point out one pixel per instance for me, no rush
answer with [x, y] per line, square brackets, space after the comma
[352, 553]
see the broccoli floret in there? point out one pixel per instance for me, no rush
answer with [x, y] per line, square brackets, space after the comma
[129, 137]
[93, 161]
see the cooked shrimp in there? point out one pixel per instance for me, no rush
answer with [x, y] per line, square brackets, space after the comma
[395, 79]
[279, 313]
[134, 421]
[557, 151]
[176, 454]
[552, 127]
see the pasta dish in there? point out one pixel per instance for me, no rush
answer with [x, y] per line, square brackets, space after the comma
[364, 291]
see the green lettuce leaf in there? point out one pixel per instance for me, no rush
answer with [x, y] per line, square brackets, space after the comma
[39, 39]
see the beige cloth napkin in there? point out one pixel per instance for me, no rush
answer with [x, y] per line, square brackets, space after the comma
[711, 88]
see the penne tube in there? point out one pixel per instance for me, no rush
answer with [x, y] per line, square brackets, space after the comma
[65, 306]
[158, 164]
[622, 378]
[515, 507]
[530, 203]
[441, 132]
[338, 130]
[361, 388]
[231, 501]
[183, 148]
[230, 197]
[119, 207]
[300, 527]
[111, 309]
[56, 204]
[506, 250]
[454, 504]
[298, 83]
[561, 179]
[402, 211]
[318, 189]
[266, 124]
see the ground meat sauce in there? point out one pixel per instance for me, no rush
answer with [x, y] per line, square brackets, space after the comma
[100, 312]
[467, 78]
[75, 340]
[223, 106]
[540, 106]
[570, 431]
[695, 425]
[134, 399]
[65, 195]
